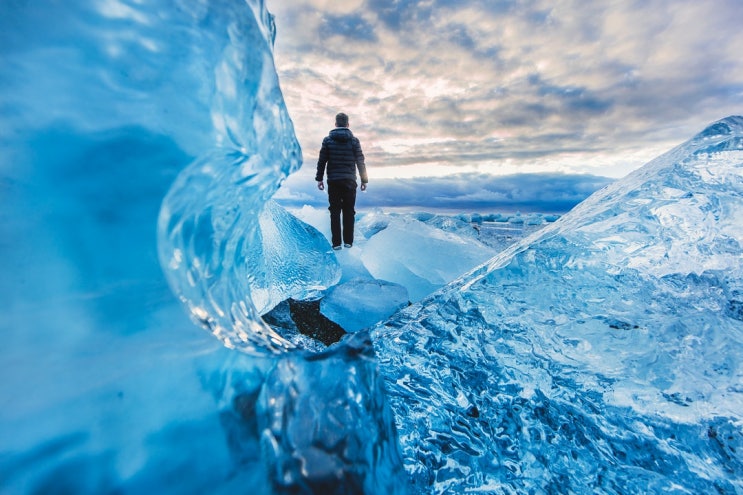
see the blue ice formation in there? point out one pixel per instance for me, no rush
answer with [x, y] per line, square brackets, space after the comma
[420, 257]
[135, 133]
[601, 355]
[228, 253]
[362, 302]
[420, 251]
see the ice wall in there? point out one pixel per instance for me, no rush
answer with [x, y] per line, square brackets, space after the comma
[223, 250]
[106, 386]
[107, 108]
[600, 355]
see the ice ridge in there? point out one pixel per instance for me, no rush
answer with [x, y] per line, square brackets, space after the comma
[228, 252]
[600, 355]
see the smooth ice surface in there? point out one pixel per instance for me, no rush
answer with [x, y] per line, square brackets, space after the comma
[105, 385]
[600, 355]
[360, 303]
[420, 251]
[420, 257]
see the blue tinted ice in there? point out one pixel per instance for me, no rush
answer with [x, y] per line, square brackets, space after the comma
[227, 254]
[601, 355]
[360, 303]
[419, 251]
[111, 112]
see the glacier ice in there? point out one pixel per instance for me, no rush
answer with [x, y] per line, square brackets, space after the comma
[420, 257]
[420, 251]
[600, 355]
[107, 387]
[325, 424]
[312, 266]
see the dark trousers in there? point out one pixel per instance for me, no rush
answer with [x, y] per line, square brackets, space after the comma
[342, 197]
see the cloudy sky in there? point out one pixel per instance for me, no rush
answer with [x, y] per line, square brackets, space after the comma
[468, 91]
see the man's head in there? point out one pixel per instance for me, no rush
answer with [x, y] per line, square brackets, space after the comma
[341, 120]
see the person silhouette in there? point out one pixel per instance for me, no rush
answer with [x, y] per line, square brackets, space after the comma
[340, 157]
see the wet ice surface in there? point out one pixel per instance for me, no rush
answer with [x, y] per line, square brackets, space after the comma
[113, 111]
[440, 243]
[360, 303]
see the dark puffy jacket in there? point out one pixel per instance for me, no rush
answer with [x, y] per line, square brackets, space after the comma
[342, 154]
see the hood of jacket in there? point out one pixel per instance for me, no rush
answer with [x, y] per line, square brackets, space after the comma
[341, 134]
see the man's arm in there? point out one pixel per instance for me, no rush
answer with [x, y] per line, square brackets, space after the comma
[360, 164]
[321, 162]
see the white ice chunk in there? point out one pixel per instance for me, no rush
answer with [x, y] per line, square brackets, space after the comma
[421, 257]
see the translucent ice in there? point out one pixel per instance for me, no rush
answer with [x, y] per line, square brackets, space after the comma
[326, 426]
[418, 256]
[107, 387]
[223, 255]
[360, 303]
[601, 355]
[420, 251]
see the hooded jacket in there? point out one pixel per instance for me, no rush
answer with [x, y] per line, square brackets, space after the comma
[341, 153]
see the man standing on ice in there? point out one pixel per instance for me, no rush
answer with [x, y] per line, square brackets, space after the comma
[341, 152]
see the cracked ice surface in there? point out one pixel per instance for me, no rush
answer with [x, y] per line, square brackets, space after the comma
[601, 355]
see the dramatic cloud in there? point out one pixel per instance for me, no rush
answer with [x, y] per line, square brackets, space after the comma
[434, 87]
[483, 193]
